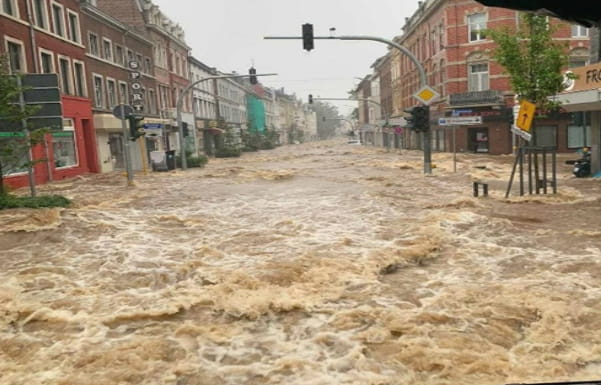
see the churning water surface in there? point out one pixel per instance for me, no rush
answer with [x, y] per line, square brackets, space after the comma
[321, 263]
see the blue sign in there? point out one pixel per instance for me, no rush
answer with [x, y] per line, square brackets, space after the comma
[153, 125]
[457, 113]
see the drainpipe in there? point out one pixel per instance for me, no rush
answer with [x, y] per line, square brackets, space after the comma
[34, 46]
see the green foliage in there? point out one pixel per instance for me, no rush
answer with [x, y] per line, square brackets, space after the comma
[14, 150]
[8, 201]
[251, 141]
[533, 60]
[191, 161]
[230, 147]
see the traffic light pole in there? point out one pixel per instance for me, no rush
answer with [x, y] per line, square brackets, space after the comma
[126, 148]
[406, 52]
[180, 102]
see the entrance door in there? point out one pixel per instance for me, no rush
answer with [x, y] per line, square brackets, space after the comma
[478, 139]
[116, 147]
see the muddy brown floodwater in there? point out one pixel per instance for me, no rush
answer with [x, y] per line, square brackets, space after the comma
[322, 263]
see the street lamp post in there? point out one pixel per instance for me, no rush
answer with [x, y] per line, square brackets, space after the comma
[180, 102]
[405, 51]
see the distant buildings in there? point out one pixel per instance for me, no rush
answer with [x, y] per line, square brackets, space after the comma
[93, 45]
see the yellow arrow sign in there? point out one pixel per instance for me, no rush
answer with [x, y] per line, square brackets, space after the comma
[526, 115]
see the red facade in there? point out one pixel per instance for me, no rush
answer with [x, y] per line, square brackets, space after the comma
[49, 40]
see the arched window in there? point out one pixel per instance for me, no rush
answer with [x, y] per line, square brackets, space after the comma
[579, 57]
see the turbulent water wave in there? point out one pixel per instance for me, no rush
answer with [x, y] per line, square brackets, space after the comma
[310, 264]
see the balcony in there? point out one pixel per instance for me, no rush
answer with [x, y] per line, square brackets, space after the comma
[476, 98]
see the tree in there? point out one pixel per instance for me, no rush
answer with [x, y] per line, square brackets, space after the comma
[533, 60]
[326, 128]
[15, 146]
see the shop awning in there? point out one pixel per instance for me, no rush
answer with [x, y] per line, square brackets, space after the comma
[588, 100]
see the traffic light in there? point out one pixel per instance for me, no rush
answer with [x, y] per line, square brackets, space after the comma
[423, 118]
[308, 37]
[253, 78]
[136, 128]
[411, 122]
[310, 99]
[418, 119]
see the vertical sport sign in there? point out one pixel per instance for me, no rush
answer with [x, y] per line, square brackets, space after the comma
[137, 93]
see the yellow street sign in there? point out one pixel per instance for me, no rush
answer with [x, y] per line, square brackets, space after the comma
[426, 95]
[526, 115]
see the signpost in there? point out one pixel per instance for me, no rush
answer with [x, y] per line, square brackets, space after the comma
[458, 121]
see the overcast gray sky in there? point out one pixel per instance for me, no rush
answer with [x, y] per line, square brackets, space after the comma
[228, 34]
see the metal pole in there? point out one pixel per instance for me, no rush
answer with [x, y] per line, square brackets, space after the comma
[28, 141]
[455, 149]
[126, 148]
[180, 101]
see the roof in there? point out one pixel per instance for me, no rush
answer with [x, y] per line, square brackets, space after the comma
[585, 12]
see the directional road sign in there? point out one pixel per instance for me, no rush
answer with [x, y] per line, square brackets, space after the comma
[526, 115]
[122, 111]
[460, 121]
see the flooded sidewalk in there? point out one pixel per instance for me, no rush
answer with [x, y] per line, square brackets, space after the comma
[322, 263]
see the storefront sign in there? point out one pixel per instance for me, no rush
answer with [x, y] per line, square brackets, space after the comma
[460, 121]
[137, 101]
[587, 78]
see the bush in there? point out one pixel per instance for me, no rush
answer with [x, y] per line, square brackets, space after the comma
[228, 152]
[8, 201]
[192, 161]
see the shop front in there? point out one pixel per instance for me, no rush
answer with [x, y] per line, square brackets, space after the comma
[583, 99]
[66, 153]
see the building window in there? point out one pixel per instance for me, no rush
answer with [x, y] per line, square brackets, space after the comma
[119, 59]
[93, 39]
[47, 62]
[64, 68]
[140, 60]
[80, 78]
[98, 92]
[579, 130]
[58, 19]
[63, 146]
[130, 56]
[9, 7]
[147, 65]
[579, 31]
[40, 13]
[107, 49]
[21, 159]
[16, 56]
[477, 25]
[478, 77]
[152, 102]
[111, 93]
[123, 95]
[545, 136]
[579, 57]
[74, 29]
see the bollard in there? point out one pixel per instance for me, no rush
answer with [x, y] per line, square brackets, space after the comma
[477, 189]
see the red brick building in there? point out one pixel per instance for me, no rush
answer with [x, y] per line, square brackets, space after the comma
[43, 36]
[111, 45]
[448, 37]
[170, 57]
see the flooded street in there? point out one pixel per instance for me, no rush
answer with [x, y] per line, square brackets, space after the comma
[322, 263]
